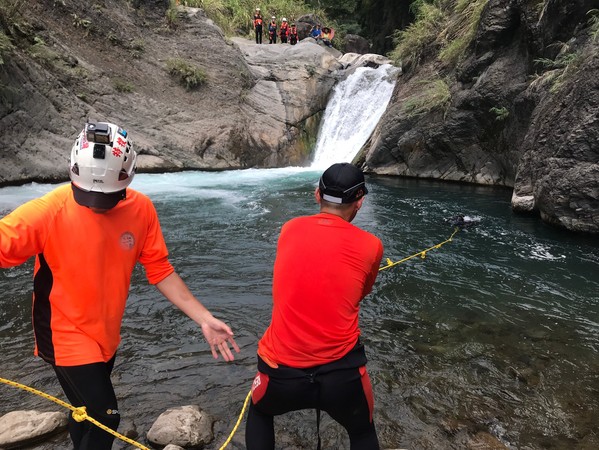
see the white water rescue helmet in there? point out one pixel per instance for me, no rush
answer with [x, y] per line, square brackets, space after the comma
[284, 20]
[102, 165]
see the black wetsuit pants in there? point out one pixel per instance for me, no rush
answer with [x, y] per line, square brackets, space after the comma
[89, 385]
[345, 394]
[258, 34]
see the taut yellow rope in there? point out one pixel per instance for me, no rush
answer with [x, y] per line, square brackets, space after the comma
[422, 253]
[78, 413]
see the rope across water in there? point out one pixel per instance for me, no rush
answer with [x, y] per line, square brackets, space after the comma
[80, 413]
[421, 253]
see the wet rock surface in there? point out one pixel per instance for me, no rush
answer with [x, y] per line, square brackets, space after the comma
[505, 118]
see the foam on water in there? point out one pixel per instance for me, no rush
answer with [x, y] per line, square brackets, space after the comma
[353, 112]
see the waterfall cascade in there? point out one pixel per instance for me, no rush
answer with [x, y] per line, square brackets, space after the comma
[354, 110]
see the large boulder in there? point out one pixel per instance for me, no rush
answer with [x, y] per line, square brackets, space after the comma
[353, 43]
[21, 428]
[281, 110]
[184, 426]
[305, 24]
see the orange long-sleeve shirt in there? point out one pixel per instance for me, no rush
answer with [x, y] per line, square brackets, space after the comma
[324, 267]
[84, 261]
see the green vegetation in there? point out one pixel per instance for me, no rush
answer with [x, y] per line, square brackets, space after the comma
[594, 23]
[172, 15]
[501, 114]
[122, 86]
[556, 71]
[413, 42]
[434, 94]
[114, 39]
[5, 46]
[562, 61]
[190, 76]
[461, 30]
[9, 18]
[10, 11]
[58, 63]
[40, 51]
[137, 47]
[234, 16]
[443, 28]
[80, 22]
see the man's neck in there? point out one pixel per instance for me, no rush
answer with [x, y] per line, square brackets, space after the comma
[345, 214]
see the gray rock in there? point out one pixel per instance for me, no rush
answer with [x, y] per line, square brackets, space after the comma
[353, 43]
[503, 121]
[185, 426]
[293, 84]
[363, 60]
[173, 447]
[256, 113]
[18, 428]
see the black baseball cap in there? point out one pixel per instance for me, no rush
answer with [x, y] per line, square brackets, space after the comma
[342, 183]
[98, 200]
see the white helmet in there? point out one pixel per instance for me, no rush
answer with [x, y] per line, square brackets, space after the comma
[284, 20]
[102, 165]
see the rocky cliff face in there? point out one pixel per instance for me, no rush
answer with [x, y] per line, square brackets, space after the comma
[521, 109]
[110, 61]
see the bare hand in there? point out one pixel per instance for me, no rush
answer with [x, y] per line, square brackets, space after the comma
[219, 336]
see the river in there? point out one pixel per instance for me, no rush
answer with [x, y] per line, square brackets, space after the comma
[490, 340]
[495, 332]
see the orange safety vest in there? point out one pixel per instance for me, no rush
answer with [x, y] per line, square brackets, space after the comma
[257, 20]
[83, 267]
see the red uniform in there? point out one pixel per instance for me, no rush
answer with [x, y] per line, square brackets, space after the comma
[83, 267]
[323, 269]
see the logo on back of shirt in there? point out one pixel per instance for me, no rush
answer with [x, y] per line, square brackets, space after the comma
[127, 240]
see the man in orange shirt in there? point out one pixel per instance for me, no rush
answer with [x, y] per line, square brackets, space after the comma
[311, 355]
[86, 238]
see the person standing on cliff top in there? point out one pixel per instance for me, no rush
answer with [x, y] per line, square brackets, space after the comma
[284, 31]
[293, 34]
[258, 21]
[311, 356]
[272, 31]
[86, 238]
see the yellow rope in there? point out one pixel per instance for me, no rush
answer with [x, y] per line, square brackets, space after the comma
[245, 404]
[78, 413]
[422, 253]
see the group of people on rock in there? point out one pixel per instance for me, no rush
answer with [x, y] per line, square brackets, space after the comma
[286, 32]
[324, 35]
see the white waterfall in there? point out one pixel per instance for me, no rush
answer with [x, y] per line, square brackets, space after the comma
[353, 111]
